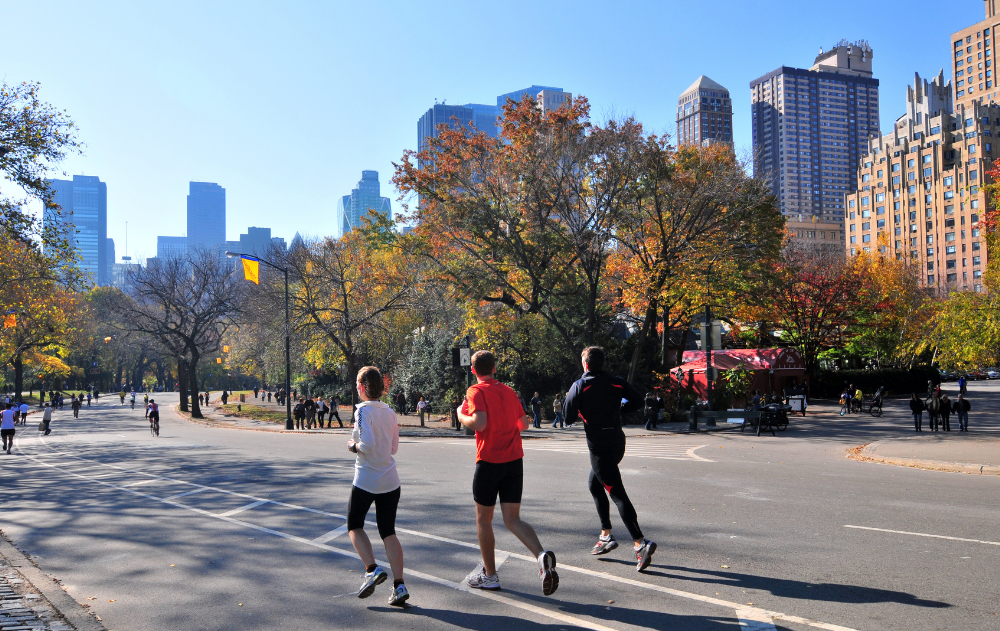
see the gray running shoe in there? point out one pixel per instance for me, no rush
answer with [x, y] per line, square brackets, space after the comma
[644, 555]
[547, 572]
[479, 579]
[399, 596]
[372, 579]
[604, 545]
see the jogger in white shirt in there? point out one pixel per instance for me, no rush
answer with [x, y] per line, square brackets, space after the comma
[375, 439]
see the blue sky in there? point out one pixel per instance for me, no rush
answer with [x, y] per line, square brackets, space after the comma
[284, 103]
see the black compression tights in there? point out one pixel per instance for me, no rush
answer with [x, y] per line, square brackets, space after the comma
[606, 479]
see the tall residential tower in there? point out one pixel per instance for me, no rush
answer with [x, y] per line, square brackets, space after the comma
[972, 56]
[704, 114]
[206, 215]
[811, 126]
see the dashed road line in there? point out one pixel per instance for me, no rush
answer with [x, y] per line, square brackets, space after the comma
[246, 507]
[754, 620]
[755, 612]
[924, 534]
[330, 536]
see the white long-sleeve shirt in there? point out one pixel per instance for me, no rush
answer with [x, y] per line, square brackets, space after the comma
[376, 434]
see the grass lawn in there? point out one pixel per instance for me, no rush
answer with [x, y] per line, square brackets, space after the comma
[256, 412]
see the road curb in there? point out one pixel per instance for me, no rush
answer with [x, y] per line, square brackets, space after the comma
[75, 614]
[866, 453]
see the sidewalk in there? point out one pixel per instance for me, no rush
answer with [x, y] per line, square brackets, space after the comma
[31, 600]
[941, 451]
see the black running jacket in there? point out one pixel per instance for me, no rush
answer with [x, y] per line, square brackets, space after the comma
[597, 398]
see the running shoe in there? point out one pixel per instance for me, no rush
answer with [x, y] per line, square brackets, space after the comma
[372, 579]
[479, 579]
[644, 554]
[604, 545]
[547, 572]
[399, 596]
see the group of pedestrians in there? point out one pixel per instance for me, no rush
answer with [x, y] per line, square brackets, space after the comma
[310, 412]
[939, 408]
[497, 414]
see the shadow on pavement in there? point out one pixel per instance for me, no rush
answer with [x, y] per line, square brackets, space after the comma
[785, 588]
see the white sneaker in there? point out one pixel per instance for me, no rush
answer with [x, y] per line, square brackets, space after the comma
[479, 579]
[372, 579]
[547, 572]
[399, 596]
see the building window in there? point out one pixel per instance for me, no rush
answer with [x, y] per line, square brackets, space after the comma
[949, 250]
[866, 225]
[949, 223]
[880, 223]
[977, 273]
[952, 278]
[975, 260]
[949, 181]
[854, 239]
[952, 264]
[930, 279]
[930, 239]
[975, 246]
[866, 238]
[930, 266]
[948, 236]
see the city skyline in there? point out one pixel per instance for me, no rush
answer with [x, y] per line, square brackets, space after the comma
[211, 121]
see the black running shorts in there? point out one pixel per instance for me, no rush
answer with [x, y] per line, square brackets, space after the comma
[385, 510]
[491, 479]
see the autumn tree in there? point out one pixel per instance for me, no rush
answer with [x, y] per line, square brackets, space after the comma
[525, 220]
[695, 215]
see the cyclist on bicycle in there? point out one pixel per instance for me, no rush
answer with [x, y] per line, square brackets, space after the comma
[845, 400]
[132, 399]
[154, 417]
[859, 399]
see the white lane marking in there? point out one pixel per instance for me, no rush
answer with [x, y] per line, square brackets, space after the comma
[923, 534]
[330, 536]
[549, 613]
[139, 482]
[186, 493]
[245, 507]
[754, 620]
[459, 586]
[641, 450]
[500, 557]
[335, 466]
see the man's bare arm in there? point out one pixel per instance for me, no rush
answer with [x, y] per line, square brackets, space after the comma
[475, 421]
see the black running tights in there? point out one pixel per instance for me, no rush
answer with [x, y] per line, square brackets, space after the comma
[606, 479]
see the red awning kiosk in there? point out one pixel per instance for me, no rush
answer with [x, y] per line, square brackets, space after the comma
[774, 368]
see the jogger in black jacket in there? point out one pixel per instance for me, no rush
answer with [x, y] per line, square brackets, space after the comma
[599, 399]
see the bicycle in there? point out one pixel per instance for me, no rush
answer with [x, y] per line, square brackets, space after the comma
[154, 426]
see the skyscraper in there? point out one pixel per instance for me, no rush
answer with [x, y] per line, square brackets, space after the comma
[83, 222]
[973, 60]
[206, 215]
[811, 126]
[362, 200]
[704, 114]
[485, 118]
[110, 253]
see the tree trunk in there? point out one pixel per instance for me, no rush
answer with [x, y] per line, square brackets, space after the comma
[182, 383]
[663, 339]
[18, 376]
[193, 376]
[648, 323]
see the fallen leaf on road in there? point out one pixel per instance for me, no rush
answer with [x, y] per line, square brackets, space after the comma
[241, 604]
[611, 602]
[725, 567]
[98, 617]
[173, 565]
[749, 603]
[91, 597]
[112, 600]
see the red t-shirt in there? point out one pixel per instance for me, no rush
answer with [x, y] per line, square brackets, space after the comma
[500, 442]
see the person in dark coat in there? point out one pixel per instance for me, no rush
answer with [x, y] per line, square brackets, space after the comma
[917, 407]
[962, 407]
[945, 413]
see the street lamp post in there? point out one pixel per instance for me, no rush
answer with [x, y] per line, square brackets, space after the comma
[288, 339]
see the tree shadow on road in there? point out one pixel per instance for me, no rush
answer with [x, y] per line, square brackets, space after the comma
[632, 617]
[786, 588]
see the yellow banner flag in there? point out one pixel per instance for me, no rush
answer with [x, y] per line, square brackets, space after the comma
[225, 349]
[10, 321]
[218, 360]
[251, 269]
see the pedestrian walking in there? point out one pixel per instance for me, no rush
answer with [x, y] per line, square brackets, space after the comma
[7, 428]
[917, 408]
[76, 403]
[945, 413]
[321, 408]
[335, 412]
[299, 414]
[88, 399]
[650, 409]
[557, 408]
[401, 403]
[310, 409]
[933, 409]
[206, 398]
[24, 412]
[47, 419]
[536, 410]
[600, 399]
[962, 407]
[224, 397]
[492, 409]
[375, 440]
[268, 396]
[962, 384]
[421, 410]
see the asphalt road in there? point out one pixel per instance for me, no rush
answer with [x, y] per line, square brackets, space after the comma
[206, 528]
